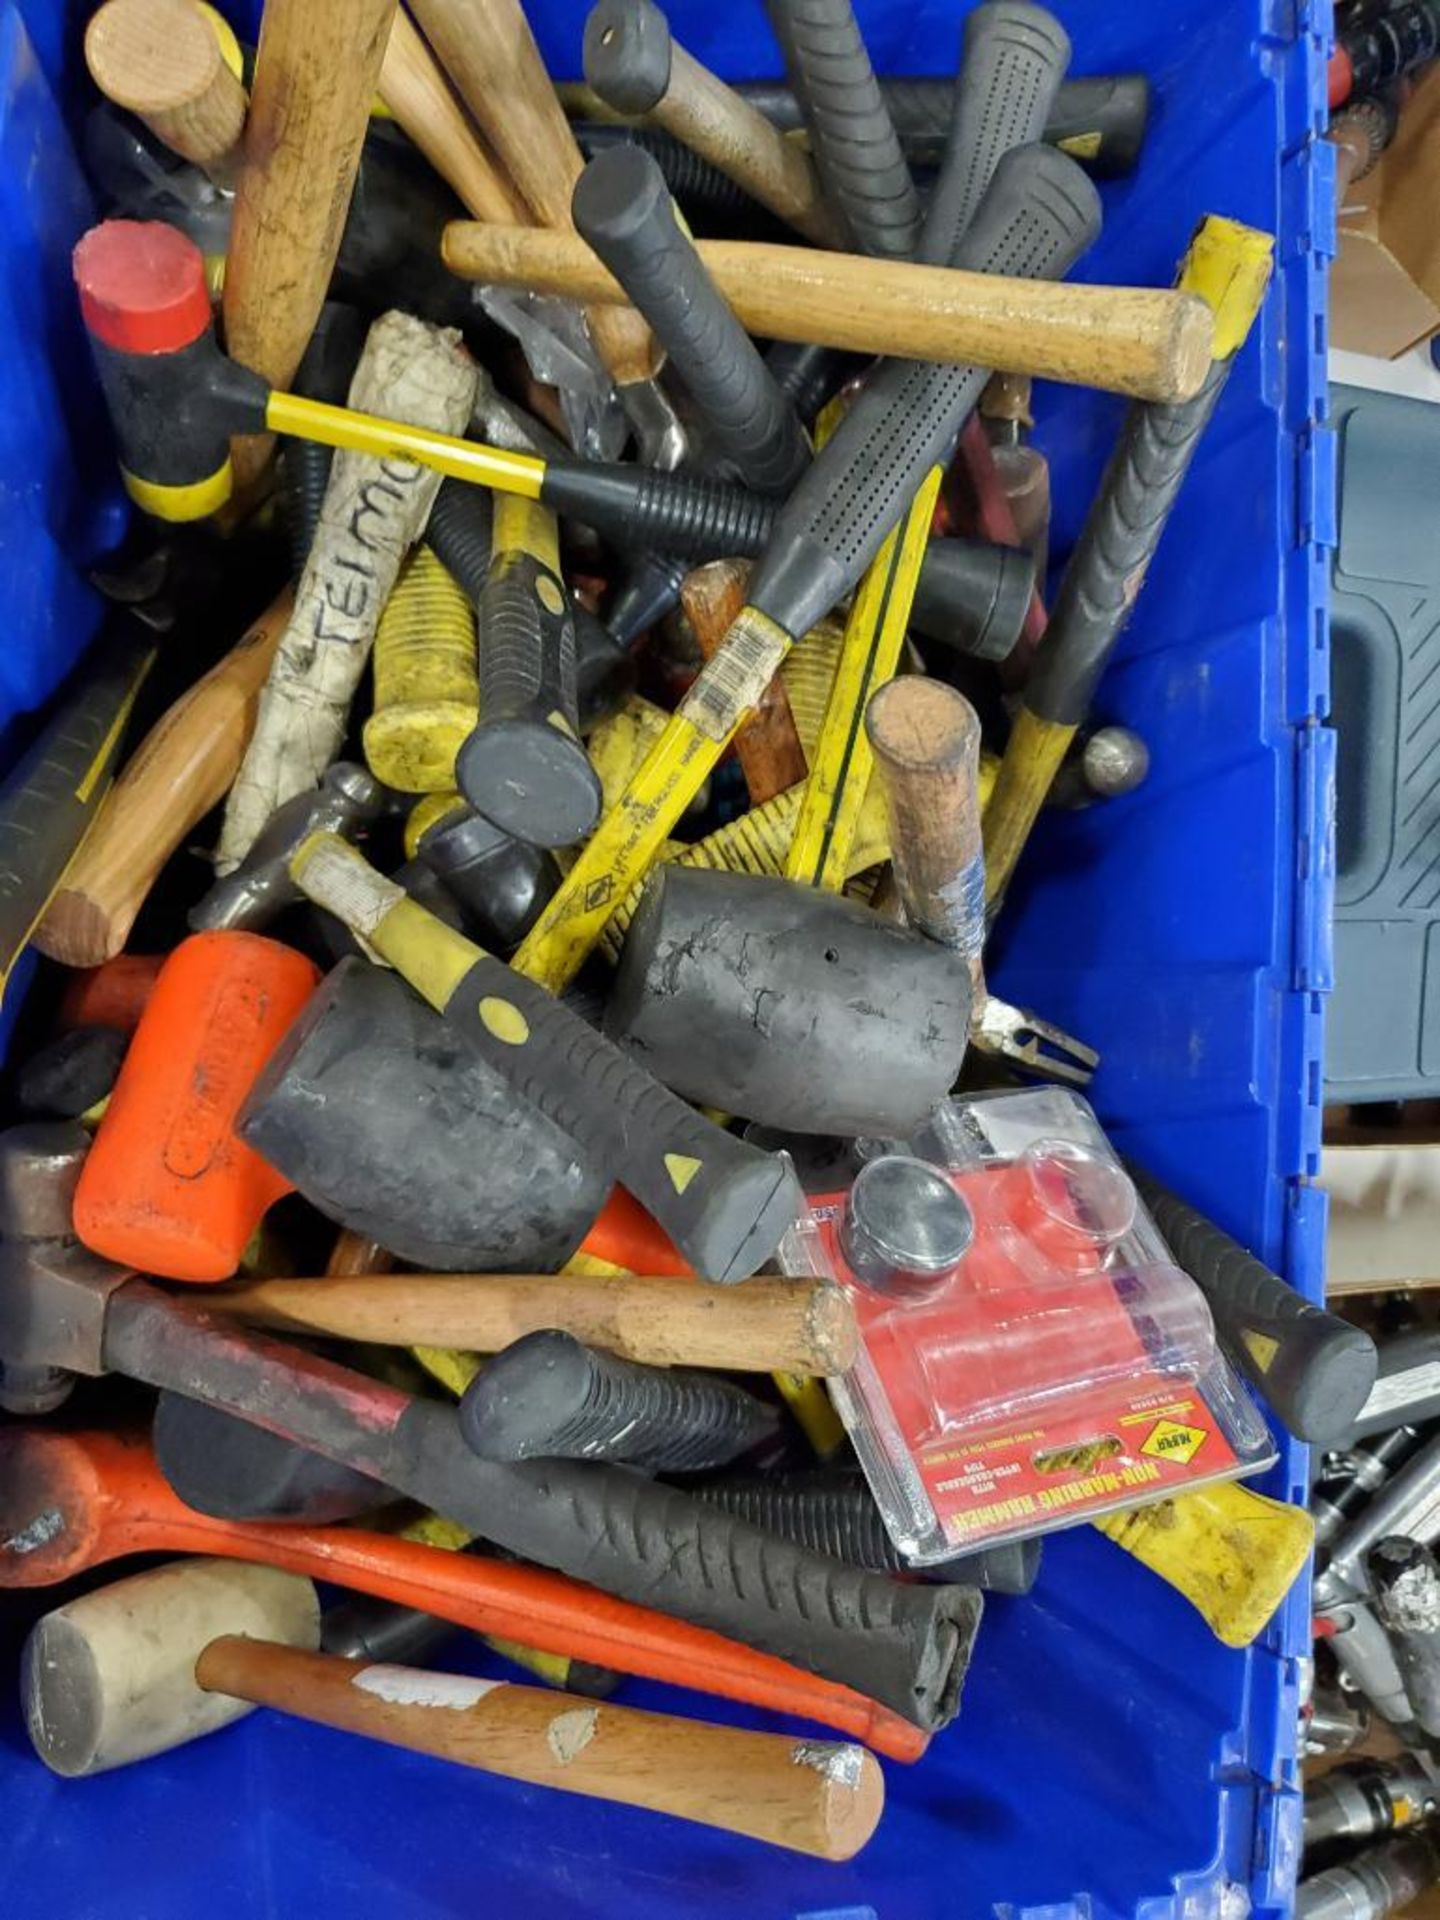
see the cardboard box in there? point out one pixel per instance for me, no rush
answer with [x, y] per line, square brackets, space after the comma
[1385, 283]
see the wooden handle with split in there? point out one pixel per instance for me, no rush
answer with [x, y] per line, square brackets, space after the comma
[181, 769]
[316, 70]
[823, 1798]
[489, 52]
[769, 1324]
[1150, 342]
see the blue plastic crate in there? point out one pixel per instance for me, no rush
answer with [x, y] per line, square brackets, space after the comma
[1111, 1760]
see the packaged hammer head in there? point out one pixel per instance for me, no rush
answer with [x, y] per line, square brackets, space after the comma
[1030, 1354]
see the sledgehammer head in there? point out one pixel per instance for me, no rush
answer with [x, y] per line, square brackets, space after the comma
[110, 1678]
[798, 1009]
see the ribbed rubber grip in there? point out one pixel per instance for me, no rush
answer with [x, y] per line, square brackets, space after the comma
[1108, 563]
[838, 1516]
[855, 147]
[1313, 1368]
[676, 513]
[524, 766]
[1015, 58]
[701, 189]
[1037, 217]
[905, 1646]
[1100, 122]
[622, 208]
[460, 530]
[806, 374]
[723, 1203]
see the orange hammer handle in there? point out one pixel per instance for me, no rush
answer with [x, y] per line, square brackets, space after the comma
[142, 1515]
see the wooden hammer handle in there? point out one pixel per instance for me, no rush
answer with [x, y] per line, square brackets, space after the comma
[767, 745]
[488, 50]
[717, 122]
[316, 70]
[792, 1326]
[1149, 342]
[417, 93]
[161, 59]
[184, 765]
[815, 1797]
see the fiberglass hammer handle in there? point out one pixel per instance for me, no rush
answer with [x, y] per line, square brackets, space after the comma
[1037, 217]
[856, 150]
[623, 209]
[1014, 60]
[1313, 1368]
[725, 1204]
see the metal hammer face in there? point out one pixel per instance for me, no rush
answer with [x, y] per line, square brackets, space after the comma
[795, 1008]
[52, 1289]
[348, 799]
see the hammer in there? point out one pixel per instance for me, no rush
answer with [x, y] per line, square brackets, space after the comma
[71, 1501]
[133, 1670]
[347, 801]
[175, 400]
[622, 1535]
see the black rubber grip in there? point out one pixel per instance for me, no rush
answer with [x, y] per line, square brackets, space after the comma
[1100, 122]
[857, 153]
[1014, 60]
[701, 190]
[1037, 217]
[460, 531]
[1109, 561]
[906, 1646]
[837, 1515]
[678, 513]
[622, 208]
[648, 590]
[523, 766]
[807, 375]
[627, 54]
[725, 1204]
[1314, 1369]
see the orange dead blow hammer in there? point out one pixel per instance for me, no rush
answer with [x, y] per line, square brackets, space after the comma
[69, 1501]
[167, 1187]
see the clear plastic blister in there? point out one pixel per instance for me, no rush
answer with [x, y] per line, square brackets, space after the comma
[1030, 1354]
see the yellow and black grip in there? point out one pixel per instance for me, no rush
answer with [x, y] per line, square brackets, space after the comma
[174, 398]
[1228, 266]
[724, 1203]
[1314, 1369]
[523, 766]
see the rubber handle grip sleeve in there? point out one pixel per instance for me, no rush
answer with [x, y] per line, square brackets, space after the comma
[1015, 58]
[1107, 567]
[1313, 1368]
[906, 1646]
[725, 1204]
[622, 208]
[855, 147]
[523, 767]
[1036, 219]
[640, 508]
